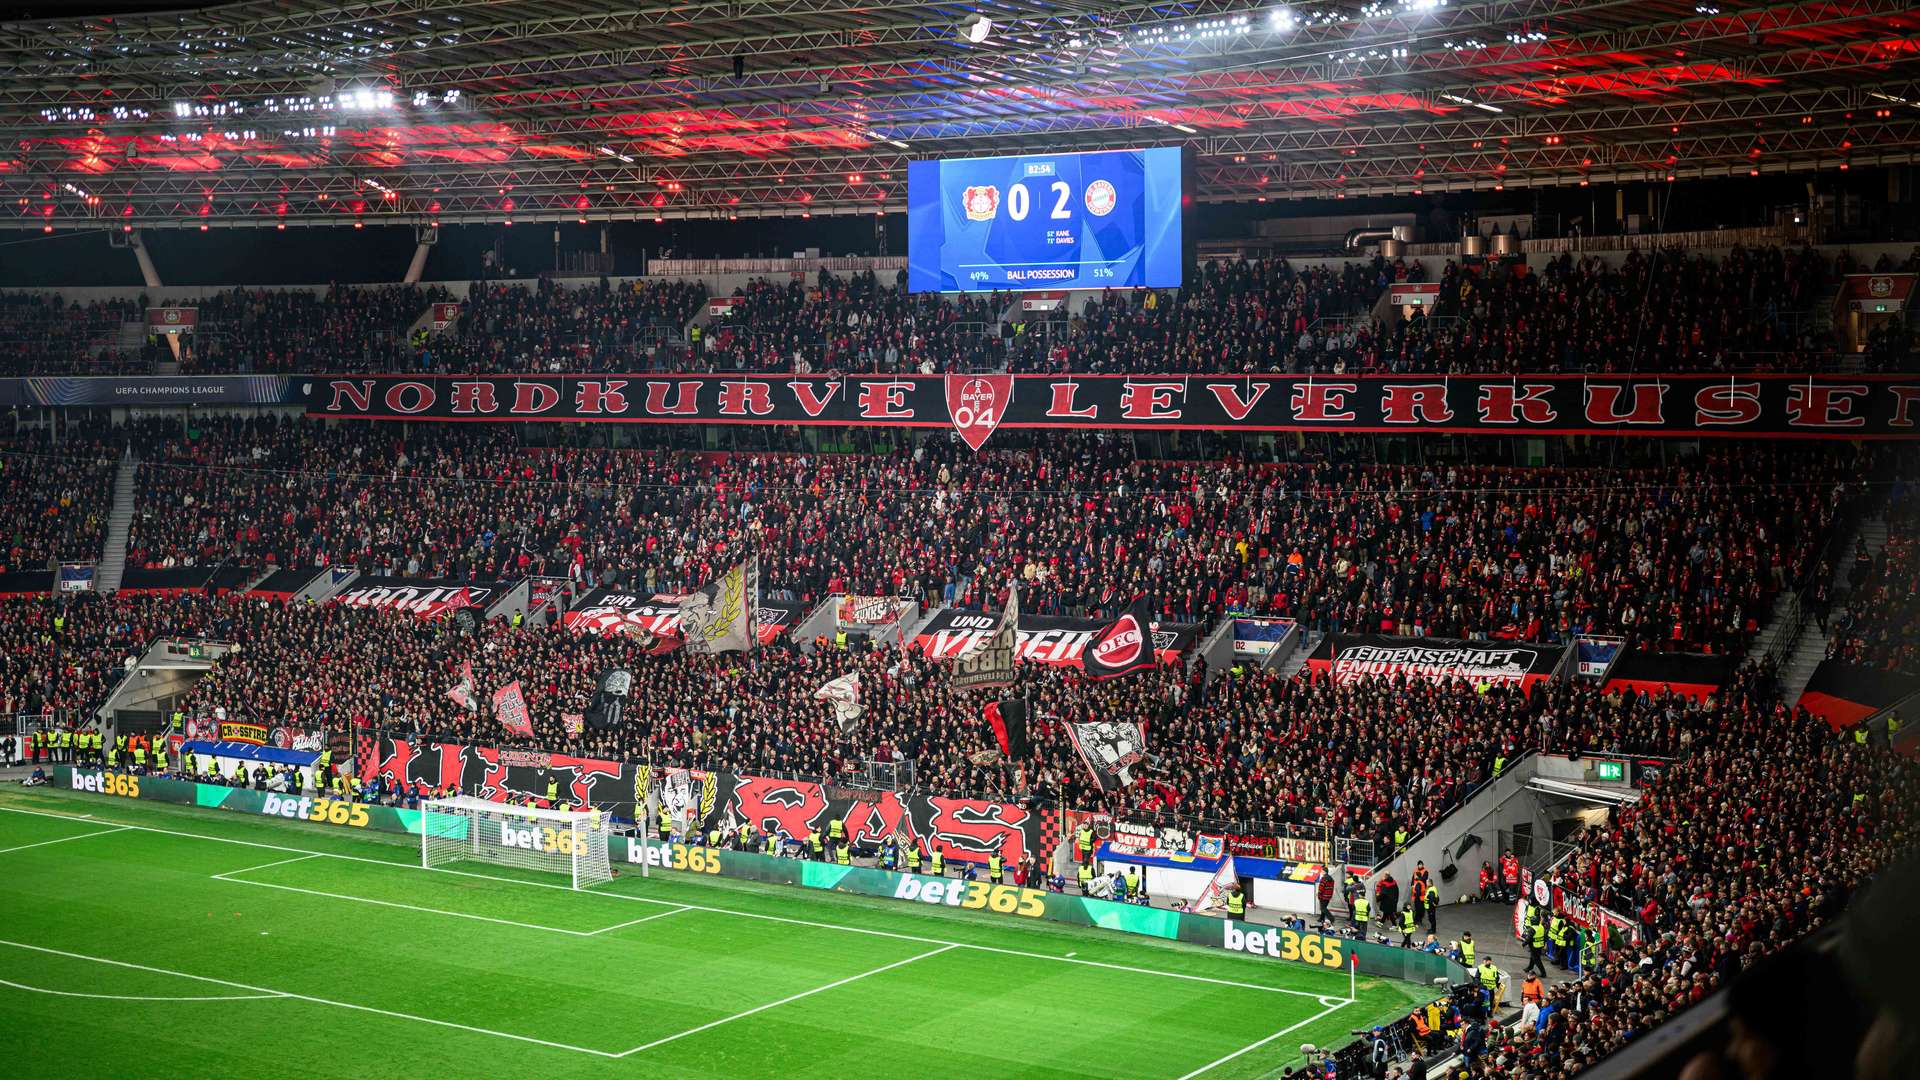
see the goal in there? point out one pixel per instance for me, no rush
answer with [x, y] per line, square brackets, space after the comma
[560, 841]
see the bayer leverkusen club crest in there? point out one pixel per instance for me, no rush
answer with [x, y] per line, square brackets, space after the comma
[976, 403]
[981, 202]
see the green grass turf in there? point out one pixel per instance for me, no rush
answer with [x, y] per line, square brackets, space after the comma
[323, 953]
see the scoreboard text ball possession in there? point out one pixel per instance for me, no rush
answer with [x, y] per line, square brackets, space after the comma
[1109, 219]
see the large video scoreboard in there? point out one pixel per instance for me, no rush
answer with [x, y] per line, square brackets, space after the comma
[1106, 219]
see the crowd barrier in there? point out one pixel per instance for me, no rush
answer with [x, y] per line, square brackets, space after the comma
[1012, 902]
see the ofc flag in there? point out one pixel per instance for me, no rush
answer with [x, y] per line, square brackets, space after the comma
[1350, 658]
[719, 617]
[1123, 646]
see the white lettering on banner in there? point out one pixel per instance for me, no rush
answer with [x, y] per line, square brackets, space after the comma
[1505, 666]
[943, 893]
[93, 782]
[520, 838]
[283, 806]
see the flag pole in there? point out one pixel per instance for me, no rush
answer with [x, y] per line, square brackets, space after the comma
[1353, 977]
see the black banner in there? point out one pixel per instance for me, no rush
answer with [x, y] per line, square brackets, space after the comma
[616, 611]
[139, 390]
[1353, 657]
[1694, 675]
[427, 599]
[1844, 694]
[1043, 639]
[1794, 406]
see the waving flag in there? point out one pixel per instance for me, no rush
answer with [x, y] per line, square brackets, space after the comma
[719, 617]
[844, 693]
[1122, 646]
[1214, 896]
[510, 708]
[462, 692]
[989, 663]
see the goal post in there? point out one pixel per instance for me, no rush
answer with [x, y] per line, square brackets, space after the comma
[558, 841]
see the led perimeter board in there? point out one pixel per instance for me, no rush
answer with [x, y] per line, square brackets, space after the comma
[1098, 220]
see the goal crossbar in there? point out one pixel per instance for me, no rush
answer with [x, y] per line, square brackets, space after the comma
[558, 841]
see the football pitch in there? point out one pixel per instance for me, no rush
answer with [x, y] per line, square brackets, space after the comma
[150, 941]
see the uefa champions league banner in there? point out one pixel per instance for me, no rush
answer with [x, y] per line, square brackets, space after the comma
[964, 830]
[974, 406]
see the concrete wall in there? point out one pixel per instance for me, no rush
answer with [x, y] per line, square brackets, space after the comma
[1502, 804]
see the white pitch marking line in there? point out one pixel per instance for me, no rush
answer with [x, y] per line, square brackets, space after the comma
[64, 839]
[407, 907]
[703, 907]
[228, 874]
[1321, 1015]
[636, 922]
[785, 1000]
[138, 997]
[313, 1000]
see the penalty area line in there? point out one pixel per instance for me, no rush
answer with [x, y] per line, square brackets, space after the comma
[289, 995]
[1288, 1030]
[785, 1000]
[65, 839]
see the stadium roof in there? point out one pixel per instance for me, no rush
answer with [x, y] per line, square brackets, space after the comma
[423, 110]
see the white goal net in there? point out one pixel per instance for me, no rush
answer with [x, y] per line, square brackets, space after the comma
[560, 841]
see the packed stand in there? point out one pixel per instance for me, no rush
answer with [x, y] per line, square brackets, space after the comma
[1730, 856]
[854, 324]
[61, 656]
[1879, 622]
[45, 334]
[56, 488]
[550, 327]
[1687, 557]
[344, 328]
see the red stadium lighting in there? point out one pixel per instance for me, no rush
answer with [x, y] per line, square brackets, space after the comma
[358, 224]
[280, 226]
[203, 228]
[49, 228]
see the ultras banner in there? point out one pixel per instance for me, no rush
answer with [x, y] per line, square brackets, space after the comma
[611, 611]
[967, 830]
[1043, 639]
[1825, 406]
[1350, 658]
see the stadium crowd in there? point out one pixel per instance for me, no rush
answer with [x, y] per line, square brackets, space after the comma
[1687, 557]
[1665, 311]
[1879, 623]
[1731, 855]
[56, 489]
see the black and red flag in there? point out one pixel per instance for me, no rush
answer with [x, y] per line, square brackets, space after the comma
[1123, 646]
[1008, 719]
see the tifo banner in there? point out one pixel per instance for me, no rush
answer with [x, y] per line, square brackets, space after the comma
[251, 734]
[1270, 944]
[76, 577]
[293, 738]
[489, 773]
[427, 599]
[966, 830]
[544, 590]
[1694, 675]
[611, 611]
[1284, 848]
[1844, 694]
[1258, 637]
[1347, 658]
[1818, 406]
[1043, 639]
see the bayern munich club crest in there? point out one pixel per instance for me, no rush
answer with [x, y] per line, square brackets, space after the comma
[981, 202]
[1101, 198]
[976, 403]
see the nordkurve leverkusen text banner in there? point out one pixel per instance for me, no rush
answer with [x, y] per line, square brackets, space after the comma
[1771, 406]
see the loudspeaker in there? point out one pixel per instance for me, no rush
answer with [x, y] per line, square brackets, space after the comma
[1447, 872]
[739, 67]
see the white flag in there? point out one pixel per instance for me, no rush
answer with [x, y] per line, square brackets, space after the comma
[844, 693]
[989, 663]
[719, 617]
[1214, 896]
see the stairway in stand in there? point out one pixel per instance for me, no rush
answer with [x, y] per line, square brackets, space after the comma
[113, 557]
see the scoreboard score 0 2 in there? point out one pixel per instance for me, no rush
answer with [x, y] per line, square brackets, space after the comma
[1102, 219]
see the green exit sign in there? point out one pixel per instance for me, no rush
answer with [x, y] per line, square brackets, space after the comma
[1609, 770]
